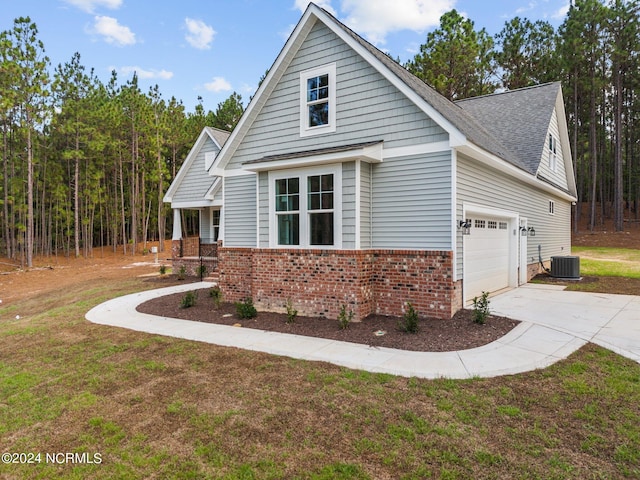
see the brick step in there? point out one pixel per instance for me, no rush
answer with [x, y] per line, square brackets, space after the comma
[213, 277]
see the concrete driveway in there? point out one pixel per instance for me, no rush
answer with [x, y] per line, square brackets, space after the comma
[611, 321]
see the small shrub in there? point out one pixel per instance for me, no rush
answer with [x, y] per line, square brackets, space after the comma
[189, 300]
[344, 318]
[292, 313]
[246, 309]
[182, 272]
[216, 294]
[163, 269]
[201, 271]
[409, 322]
[481, 308]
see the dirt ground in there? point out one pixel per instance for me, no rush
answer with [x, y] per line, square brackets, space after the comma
[53, 273]
[604, 234]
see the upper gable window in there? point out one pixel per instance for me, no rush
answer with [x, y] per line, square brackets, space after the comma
[318, 100]
[553, 157]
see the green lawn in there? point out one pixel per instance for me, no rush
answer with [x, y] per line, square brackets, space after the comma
[148, 406]
[609, 262]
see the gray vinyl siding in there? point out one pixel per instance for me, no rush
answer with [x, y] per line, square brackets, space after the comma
[365, 205]
[206, 223]
[218, 197]
[481, 185]
[240, 211]
[196, 181]
[559, 177]
[263, 179]
[411, 202]
[368, 107]
[349, 205]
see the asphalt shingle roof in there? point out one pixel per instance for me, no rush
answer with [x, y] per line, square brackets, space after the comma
[520, 118]
[221, 136]
[510, 125]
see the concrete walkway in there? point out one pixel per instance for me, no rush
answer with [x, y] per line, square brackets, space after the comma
[554, 324]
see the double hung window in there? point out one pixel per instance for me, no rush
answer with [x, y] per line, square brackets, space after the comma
[215, 224]
[306, 211]
[320, 209]
[318, 100]
[288, 210]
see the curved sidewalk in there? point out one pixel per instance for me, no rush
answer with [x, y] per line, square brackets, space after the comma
[532, 344]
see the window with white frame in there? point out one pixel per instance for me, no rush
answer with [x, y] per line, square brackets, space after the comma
[318, 100]
[305, 211]
[215, 224]
[552, 207]
[320, 208]
[553, 158]
[288, 210]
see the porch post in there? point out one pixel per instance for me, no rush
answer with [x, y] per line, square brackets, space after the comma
[177, 225]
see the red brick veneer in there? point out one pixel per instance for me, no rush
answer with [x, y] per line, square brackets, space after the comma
[319, 282]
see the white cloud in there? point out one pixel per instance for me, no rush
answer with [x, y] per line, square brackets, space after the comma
[326, 4]
[376, 18]
[561, 13]
[90, 6]
[200, 34]
[218, 84]
[112, 31]
[145, 74]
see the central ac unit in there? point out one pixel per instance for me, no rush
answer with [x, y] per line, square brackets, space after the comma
[565, 267]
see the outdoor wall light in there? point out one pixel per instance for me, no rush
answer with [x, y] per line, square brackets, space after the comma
[531, 232]
[523, 231]
[465, 226]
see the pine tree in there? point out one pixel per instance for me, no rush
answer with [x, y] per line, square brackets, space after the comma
[456, 59]
[30, 64]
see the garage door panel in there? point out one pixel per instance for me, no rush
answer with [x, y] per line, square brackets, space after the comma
[486, 256]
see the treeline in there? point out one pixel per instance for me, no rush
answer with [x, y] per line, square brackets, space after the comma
[86, 163]
[595, 53]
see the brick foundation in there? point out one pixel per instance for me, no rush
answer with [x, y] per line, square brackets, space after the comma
[534, 269]
[320, 282]
[191, 264]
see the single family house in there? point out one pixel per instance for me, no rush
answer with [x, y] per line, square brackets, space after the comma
[348, 181]
[194, 189]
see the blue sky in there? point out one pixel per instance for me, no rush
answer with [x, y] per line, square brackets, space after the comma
[211, 48]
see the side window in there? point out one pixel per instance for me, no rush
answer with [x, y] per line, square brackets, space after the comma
[320, 208]
[288, 211]
[215, 220]
[318, 100]
[553, 159]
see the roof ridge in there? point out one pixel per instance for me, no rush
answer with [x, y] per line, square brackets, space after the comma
[507, 92]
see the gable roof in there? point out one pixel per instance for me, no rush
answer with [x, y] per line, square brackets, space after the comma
[219, 138]
[463, 121]
[520, 118]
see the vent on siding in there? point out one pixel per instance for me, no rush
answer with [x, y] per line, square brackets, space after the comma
[565, 267]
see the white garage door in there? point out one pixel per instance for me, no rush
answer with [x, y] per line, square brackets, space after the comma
[486, 256]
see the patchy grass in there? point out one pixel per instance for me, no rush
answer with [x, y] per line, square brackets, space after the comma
[609, 262]
[157, 407]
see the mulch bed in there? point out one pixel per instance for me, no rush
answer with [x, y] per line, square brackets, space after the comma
[458, 333]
